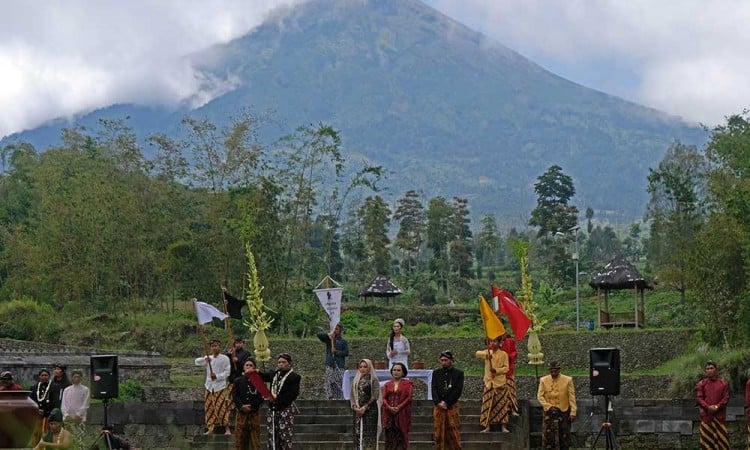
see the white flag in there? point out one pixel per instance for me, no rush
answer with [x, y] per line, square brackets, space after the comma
[330, 299]
[206, 312]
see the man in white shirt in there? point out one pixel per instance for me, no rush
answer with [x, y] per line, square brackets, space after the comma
[216, 407]
[75, 404]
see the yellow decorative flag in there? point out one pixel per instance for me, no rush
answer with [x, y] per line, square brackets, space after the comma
[493, 327]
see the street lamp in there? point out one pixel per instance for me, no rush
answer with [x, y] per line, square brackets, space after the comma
[575, 260]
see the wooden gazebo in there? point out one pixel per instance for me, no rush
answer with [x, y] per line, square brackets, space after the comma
[619, 274]
[381, 287]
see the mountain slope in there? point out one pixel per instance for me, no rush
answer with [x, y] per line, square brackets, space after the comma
[448, 110]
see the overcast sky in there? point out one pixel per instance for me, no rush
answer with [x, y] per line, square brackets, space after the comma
[688, 57]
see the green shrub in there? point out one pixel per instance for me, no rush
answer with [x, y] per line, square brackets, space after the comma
[130, 390]
[25, 319]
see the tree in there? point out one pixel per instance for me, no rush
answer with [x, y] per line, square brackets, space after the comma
[410, 237]
[461, 246]
[440, 232]
[375, 218]
[553, 214]
[489, 243]
[676, 209]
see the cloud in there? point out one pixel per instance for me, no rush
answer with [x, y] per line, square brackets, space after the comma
[687, 58]
[63, 58]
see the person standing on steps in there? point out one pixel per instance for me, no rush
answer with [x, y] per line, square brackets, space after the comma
[46, 395]
[495, 398]
[447, 387]
[557, 396]
[364, 402]
[337, 349]
[285, 383]
[398, 348]
[509, 347]
[247, 401]
[713, 396]
[215, 396]
[396, 410]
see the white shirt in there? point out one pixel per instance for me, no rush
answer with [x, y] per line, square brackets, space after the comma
[221, 367]
[402, 349]
[75, 401]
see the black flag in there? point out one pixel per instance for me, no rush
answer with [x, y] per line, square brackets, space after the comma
[234, 306]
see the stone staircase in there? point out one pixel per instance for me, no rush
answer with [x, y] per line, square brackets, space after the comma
[324, 425]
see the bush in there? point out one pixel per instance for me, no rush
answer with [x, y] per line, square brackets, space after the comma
[25, 319]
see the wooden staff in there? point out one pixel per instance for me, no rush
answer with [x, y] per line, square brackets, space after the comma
[227, 323]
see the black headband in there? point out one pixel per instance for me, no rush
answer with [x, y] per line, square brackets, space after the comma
[286, 356]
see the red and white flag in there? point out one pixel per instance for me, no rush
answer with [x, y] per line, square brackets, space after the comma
[506, 304]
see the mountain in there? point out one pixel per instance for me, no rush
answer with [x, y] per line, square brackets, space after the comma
[448, 110]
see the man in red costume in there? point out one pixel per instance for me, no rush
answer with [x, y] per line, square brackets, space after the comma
[713, 397]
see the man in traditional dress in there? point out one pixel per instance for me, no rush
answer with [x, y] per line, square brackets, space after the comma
[495, 398]
[47, 397]
[284, 391]
[509, 347]
[337, 349]
[713, 397]
[215, 398]
[557, 395]
[447, 387]
[75, 405]
[237, 357]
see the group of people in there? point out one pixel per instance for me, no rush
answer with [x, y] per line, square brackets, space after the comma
[234, 382]
[63, 403]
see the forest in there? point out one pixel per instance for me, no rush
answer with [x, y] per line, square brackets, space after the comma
[95, 226]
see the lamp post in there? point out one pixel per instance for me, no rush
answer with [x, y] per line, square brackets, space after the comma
[574, 230]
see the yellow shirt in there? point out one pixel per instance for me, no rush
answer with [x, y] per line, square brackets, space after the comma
[558, 392]
[499, 362]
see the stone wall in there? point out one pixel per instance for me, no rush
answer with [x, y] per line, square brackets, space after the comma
[25, 359]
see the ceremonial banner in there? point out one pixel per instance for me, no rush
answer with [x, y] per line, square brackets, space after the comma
[512, 308]
[330, 299]
[206, 313]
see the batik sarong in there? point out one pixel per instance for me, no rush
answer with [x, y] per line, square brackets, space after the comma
[447, 428]
[216, 409]
[333, 382]
[714, 436]
[495, 406]
[280, 428]
[247, 431]
[510, 383]
[556, 430]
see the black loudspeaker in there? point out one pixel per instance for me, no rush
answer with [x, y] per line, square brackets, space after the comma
[105, 380]
[604, 371]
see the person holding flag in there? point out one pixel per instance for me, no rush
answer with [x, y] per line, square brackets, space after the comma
[218, 368]
[520, 323]
[337, 349]
[495, 399]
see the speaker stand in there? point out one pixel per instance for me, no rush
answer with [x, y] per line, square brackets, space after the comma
[606, 430]
[105, 433]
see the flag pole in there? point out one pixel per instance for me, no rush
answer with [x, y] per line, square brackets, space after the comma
[227, 323]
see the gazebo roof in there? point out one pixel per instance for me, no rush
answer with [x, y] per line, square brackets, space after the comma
[619, 274]
[381, 287]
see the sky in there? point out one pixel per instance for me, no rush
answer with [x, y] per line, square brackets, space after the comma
[688, 58]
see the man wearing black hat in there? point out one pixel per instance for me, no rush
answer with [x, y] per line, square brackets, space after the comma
[284, 391]
[447, 387]
[557, 396]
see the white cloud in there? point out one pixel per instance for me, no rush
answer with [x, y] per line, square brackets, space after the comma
[63, 58]
[688, 57]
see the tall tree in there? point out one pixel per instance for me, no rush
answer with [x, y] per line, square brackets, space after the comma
[411, 218]
[553, 214]
[489, 243]
[375, 216]
[676, 209]
[462, 245]
[440, 232]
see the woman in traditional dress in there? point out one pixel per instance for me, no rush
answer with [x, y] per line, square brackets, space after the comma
[398, 346]
[495, 399]
[396, 409]
[364, 401]
[57, 436]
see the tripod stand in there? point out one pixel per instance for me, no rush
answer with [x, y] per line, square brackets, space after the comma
[106, 432]
[606, 429]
